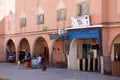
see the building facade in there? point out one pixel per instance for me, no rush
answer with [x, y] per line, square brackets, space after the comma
[77, 34]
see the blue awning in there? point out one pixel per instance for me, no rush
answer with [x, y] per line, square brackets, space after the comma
[57, 36]
[84, 33]
[54, 36]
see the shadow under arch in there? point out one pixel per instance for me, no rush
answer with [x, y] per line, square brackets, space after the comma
[115, 56]
[22, 47]
[10, 51]
[115, 43]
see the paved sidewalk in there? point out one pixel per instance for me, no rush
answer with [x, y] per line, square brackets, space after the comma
[10, 70]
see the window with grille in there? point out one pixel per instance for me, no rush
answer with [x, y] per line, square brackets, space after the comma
[83, 8]
[40, 19]
[23, 22]
[61, 14]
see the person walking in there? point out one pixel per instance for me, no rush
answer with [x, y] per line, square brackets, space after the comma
[39, 61]
[44, 68]
[26, 54]
[19, 64]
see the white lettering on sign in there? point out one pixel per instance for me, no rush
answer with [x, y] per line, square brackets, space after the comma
[80, 21]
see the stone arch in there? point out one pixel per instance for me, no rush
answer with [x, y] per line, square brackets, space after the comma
[59, 50]
[72, 57]
[115, 42]
[79, 51]
[115, 55]
[10, 49]
[23, 45]
[40, 46]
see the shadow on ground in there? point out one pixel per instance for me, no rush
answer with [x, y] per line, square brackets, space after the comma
[4, 79]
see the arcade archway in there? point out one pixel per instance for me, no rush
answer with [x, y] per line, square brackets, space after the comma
[10, 51]
[23, 46]
[115, 56]
[41, 48]
[59, 55]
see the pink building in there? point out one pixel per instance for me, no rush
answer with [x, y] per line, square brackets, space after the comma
[77, 34]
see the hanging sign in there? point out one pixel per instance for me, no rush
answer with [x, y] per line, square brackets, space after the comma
[61, 31]
[80, 21]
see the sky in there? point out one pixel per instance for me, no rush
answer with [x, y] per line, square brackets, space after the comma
[6, 6]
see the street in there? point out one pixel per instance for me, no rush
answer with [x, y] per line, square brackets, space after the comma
[11, 71]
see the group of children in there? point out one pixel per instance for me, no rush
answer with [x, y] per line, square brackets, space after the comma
[36, 62]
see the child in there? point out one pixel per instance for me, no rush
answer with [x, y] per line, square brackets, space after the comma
[19, 65]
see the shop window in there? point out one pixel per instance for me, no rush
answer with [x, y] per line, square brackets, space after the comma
[23, 21]
[117, 52]
[82, 8]
[40, 19]
[85, 50]
[89, 51]
[61, 14]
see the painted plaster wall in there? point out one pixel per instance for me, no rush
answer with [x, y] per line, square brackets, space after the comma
[10, 24]
[50, 19]
[113, 15]
[2, 49]
[2, 31]
[2, 24]
[110, 34]
[110, 31]
[95, 11]
[102, 12]
[73, 62]
[98, 13]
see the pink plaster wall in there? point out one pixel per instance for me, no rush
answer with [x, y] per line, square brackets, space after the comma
[2, 31]
[109, 35]
[100, 11]
[2, 49]
[10, 24]
[30, 9]
[49, 12]
[104, 12]
[105, 41]
[109, 14]
[95, 11]
[2, 24]
[113, 16]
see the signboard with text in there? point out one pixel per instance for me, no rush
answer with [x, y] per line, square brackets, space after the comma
[80, 21]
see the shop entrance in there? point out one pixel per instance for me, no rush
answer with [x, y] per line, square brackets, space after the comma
[84, 55]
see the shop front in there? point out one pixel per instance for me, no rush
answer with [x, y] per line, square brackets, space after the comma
[85, 49]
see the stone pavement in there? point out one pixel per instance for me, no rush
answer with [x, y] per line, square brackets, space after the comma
[10, 70]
